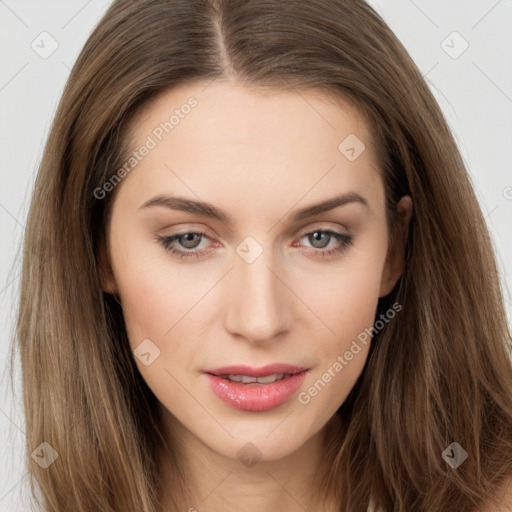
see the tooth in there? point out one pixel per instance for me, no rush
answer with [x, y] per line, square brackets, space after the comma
[247, 380]
[267, 380]
[270, 378]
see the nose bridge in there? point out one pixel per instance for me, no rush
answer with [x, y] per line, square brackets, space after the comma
[258, 305]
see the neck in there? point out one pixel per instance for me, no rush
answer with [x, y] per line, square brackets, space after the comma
[214, 482]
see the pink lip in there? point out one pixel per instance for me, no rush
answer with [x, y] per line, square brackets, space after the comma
[251, 371]
[254, 396]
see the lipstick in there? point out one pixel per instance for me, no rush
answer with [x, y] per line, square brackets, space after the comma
[256, 389]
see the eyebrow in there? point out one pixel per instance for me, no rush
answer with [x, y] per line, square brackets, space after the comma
[208, 210]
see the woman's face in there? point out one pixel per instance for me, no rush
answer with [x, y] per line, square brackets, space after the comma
[272, 281]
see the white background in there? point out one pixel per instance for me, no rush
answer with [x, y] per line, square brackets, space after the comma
[474, 91]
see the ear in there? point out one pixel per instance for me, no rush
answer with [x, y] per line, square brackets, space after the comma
[395, 259]
[107, 279]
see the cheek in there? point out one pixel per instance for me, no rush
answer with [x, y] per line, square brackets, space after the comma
[345, 300]
[167, 303]
[345, 296]
[156, 290]
[158, 301]
[342, 350]
[158, 306]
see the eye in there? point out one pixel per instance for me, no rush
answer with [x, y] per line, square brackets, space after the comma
[320, 239]
[188, 240]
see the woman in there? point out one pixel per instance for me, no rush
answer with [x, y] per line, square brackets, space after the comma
[256, 276]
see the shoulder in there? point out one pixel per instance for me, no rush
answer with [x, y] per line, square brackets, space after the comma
[504, 499]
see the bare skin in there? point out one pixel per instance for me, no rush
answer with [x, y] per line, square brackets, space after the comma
[260, 157]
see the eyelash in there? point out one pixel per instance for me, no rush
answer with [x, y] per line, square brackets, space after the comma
[344, 239]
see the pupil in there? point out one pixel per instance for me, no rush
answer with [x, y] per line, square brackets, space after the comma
[189, 237]
[318, 235]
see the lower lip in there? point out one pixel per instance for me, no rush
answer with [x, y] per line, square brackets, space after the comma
[255, 397]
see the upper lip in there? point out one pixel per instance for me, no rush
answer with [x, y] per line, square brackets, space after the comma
[252, 371]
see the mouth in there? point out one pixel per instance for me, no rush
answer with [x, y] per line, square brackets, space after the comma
[251, 371]
[256, 389]
[247, 379]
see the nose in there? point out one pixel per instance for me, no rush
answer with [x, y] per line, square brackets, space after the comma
[259, 307]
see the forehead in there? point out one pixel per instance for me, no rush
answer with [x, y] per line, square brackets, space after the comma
[232, 112]
[209, 138]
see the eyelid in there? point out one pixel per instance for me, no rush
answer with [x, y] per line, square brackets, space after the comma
[189, 228]
[343, 241]
[321, 226]
[305, 229]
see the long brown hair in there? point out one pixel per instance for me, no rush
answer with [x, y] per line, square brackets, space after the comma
[439, 373]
